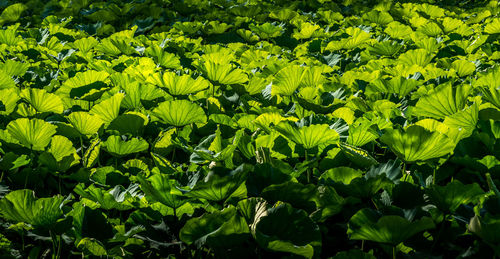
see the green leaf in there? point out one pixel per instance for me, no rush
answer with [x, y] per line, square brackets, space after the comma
[119, 148]
[108, 109]
[14, 68]
[162, 188]
[463, 67]
[129, 123]
[61, 154]
[367, 224]
[487, 229]
[353, 253]
[22, 206]
[34, 134]
[219, 229]
[91, 155]
[223, 73]
[442, 101]
[448, 198]
[117, 198]
[220, 183]
[42, 101]
[287, 80]
[419, 57]
[285, 229]
[12, 13]
[92, 246]
[8, 100]
[89, 85]
[493, 27]
[178, 85]
[465, 120]
[180, 113]
[416, 144]
[309, 136]
[298, 195]
[341, 174]
[85, 123]
[358, 155]
[361, 133]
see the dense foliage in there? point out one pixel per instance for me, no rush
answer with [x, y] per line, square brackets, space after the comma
[249, 129]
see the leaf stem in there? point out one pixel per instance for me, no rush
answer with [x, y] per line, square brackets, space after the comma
[393, 252]
[81, 148]
[434, 176]
[308, 169]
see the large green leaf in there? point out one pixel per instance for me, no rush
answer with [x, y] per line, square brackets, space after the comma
[288, 80]
[361, 133]
[220, 183]
[22, 206]
[309, 136]
[42, 101]
[367, 224]
[448, 198]
[488, 84]
[162, 188]
[92, 246]
[12, 13]
[85, 123]
[129, 123]
[442, 101]
[463, 67]
[61, 154]
[419, 57]
[117, 198]
[118, 147]
[108, 109]
[285, 229]
[416, 144]
[180, 113]
[223, 73]
[34, 134]
[219, 229]
[8, 100]
[179, 84]
[88, 85]
[6, 81]
[298, 195]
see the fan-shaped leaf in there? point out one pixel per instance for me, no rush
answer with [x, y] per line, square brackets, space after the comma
[219, 229]
[178, 85]
[22, 206]
[442, 101]
[85, 123]
[285, 229]
[117, 147]
[6, 81]
[367, 224]
[162, 188]
[419, 57]
[309, 136]
[34, 133]
[180, 113]
[8, 100]
[288, 80]
[417, 144]
[448, 198]
[463, 67]
[108, 109]
[220, 183]
[42, 101]
[88, 85]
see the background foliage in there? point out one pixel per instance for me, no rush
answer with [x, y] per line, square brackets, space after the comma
[249, 129]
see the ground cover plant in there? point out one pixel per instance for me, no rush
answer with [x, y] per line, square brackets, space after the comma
[249, 129]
